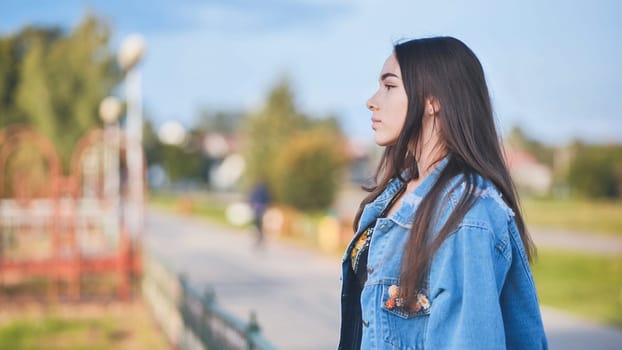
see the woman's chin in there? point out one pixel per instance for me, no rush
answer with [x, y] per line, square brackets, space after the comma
[382, 141]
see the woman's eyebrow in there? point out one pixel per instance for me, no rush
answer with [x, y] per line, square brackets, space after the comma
[386, 75]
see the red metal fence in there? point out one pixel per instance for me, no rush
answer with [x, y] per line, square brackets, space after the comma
[57, 227]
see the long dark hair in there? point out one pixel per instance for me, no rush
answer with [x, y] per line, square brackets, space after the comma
[446, 70]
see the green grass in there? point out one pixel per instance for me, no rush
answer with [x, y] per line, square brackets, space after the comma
[203, 207]
[574, 214]
[588, 285]
[55, 333]
[128, 330]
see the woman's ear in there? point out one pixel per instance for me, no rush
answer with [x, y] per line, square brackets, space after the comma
[432, 106]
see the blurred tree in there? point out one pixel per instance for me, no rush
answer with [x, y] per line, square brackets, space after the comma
[181, 162]
[308, 172]
[33, 96]
[294, 153]
[596, 171]
[269, 131]
[55, 80]
[9, 66]
[151, 144]
[225, 122]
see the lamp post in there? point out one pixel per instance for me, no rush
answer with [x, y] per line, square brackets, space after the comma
[110, 110]
[130, 54]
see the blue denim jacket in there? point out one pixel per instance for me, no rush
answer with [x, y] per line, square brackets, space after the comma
[479, 286]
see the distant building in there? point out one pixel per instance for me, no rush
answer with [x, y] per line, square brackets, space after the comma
[528, 173]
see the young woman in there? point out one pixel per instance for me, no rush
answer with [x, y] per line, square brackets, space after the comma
[440, 258]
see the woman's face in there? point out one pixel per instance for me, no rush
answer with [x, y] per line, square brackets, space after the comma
[389, 104]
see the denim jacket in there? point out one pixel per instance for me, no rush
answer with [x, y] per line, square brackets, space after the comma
[479, 292]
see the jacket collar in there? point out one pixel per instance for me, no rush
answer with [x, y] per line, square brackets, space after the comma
[410, 201]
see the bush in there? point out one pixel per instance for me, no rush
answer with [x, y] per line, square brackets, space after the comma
[308, 170]
[298, 155]
[595, 172]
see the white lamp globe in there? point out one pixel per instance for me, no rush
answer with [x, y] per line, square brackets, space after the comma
[110, 109]
[172, 133]
[132, 50]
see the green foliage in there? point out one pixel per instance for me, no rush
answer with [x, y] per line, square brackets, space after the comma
[596, 171]
[308, 171]
[226, 122]
[26, 166]
[55, 80]
[181, 162]
[151, 144]
[9, 67]
[268, 131]
[295, 154]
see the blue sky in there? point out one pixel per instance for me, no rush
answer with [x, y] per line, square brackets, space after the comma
[553, 67]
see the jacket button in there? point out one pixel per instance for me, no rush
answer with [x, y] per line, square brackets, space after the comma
[370, 270]
[365, 323]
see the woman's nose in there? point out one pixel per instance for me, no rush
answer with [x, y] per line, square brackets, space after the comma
[371, 105]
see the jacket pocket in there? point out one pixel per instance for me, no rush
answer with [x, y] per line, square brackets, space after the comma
[403, 328]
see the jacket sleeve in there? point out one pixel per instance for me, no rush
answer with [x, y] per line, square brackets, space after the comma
[466, 278]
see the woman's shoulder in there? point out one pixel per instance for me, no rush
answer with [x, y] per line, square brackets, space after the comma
[488, 209]
[486, 223]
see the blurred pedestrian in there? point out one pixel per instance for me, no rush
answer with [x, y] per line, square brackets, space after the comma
[440, 255]
[259, 202]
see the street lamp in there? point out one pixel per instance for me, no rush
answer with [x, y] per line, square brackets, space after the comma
[172, 133]
[110, 110]
[131, 52]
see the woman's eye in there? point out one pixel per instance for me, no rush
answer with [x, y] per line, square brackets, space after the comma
[389, 87]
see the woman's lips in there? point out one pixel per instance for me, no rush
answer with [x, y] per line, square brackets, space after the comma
[374, 123]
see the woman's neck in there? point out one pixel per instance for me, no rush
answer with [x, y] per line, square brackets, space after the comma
[426, 164]
[430, 151]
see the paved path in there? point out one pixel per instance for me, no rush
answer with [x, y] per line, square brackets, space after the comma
[569, 332]
[296, 291]
[586, 242]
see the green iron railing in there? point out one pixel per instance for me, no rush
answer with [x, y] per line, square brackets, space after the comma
[194, 321]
